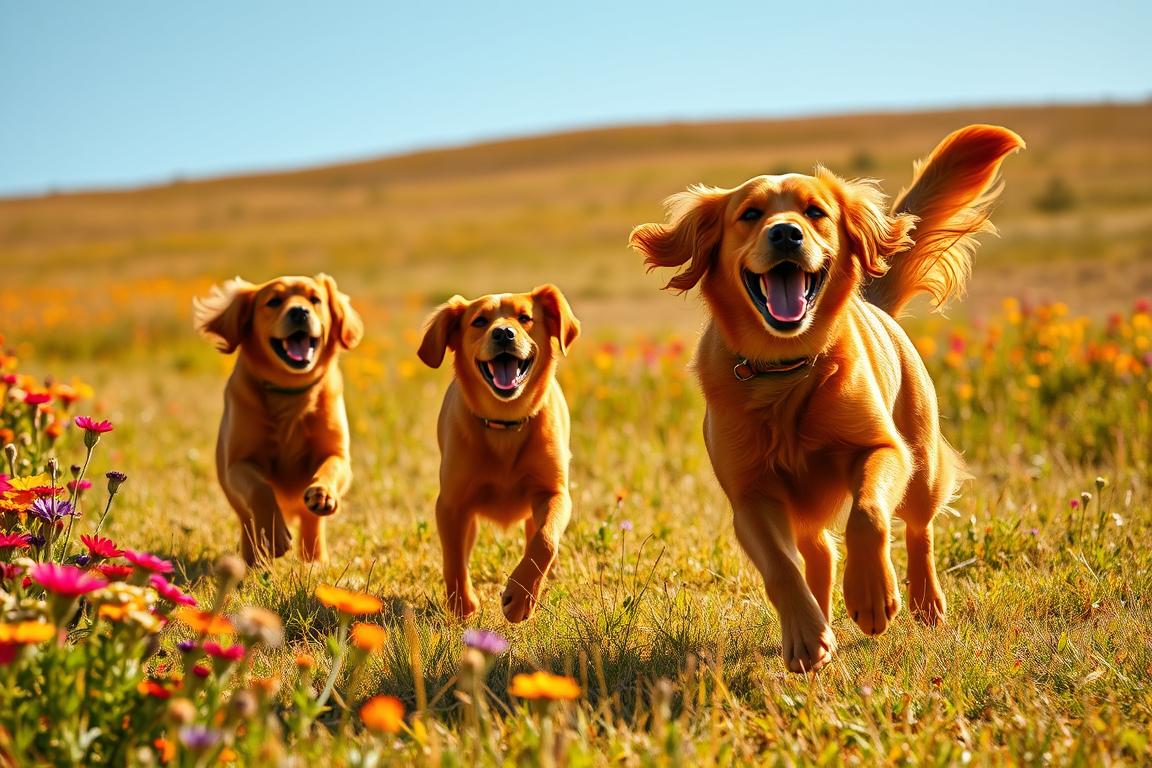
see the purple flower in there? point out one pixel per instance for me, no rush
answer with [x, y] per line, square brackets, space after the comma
[186, 646]
[486, 641]
[114, 480]
[626, 526]
[50, 510]
[199, 738]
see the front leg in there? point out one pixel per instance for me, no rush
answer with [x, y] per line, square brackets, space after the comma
[330, 482]
[550, 515]
[870, 592]
[457, 529]
[264, 534]
[764, 531]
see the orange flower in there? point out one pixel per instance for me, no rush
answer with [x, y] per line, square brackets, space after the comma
[541, 685]
[346, 601]
[383, 714]
[305, 661]
[167, 750]
[26, 633]
[204, 622]
[228, 755]
[369, 637]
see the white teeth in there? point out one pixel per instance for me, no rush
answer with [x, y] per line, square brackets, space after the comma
[807, 282]
[764, 285]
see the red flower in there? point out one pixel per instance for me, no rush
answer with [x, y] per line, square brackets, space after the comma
[15, 540]
[147, 561]
[154, 689]
[170, 591]
[89, 424]
[99, 546]
[114, 571]
[37, 398]
[226, 652]
[66, 580]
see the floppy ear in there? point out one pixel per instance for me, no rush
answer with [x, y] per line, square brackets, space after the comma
[346, 323]
[442, 331]
[873, 236]
[223, 316]
[691, 235]
[558, 317]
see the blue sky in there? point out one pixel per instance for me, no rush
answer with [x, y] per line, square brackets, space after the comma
[126, 92]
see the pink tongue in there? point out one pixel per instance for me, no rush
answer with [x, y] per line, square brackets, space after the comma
[297, 346]
[504, 370]
[785, 291]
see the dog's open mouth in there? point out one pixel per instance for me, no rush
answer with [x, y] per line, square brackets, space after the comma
[296, 350]
[784, 294]
[505, 373]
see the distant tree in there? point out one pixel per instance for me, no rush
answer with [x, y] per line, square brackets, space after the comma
[863, 162]
[1057, 196]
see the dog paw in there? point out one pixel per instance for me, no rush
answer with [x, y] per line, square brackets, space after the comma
[517, 602]
[870, 593]
[929, 608]
[463, 604]
[320, 500]
[808, 643]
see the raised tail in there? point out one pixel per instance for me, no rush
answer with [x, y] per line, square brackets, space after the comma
[952, 194]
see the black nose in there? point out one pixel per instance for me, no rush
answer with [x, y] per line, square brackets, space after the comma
[786, 236]
[503, 335]
[298, 314]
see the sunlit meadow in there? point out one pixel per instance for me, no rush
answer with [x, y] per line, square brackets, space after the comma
[654, 643]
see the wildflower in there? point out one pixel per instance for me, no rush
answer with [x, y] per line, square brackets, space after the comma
[54, 430]
[369, 637]
[4, 482]
[305, 661]
[626, 526]
[26, 633]
[267, 687]
[92, 430]
[181, 711]
[114, 571]
[199, 738]
[80, 486]
[186, 646]
[201, 671]
[230, 571]
[147, 561]
[259, 625]
[383, 714]
[224, 652]
[14, 540]
[65, 580]
[170, 591]
[37, 398]
[204, 622]
[348, 602]
[153, 688]
[51, 510]
[487, 641]
[1074, 503]
[167, 750]
[542, 685]
[101, 547]
[1101, 483]
[115, 480]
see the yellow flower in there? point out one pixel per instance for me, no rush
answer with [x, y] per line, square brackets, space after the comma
[1032, 380]
[369, 637]
[204, 622]
[26, 633]
[347, 601]
[541, 685]
[383, 714]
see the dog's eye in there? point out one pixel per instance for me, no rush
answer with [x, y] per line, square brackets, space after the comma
[814, 212]
[524, 319]
[480, 322]
[275, 301]
[751, 214]
[315, 300]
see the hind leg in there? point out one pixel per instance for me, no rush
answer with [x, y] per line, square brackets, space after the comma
[928, 493]
[924, 593]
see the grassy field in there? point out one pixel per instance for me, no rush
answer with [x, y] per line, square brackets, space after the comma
[652, 609]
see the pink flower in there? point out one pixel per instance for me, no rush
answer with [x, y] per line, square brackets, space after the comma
[170, 591]
[15, 540]
[147, 561]
[80, 487]
[99, 546]
[4, 485]
[66, 580]
[225, 652]
[114, 571]
[89, 424]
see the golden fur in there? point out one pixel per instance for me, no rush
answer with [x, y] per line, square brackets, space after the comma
[283, 451]
[504, 452]
[808, 271]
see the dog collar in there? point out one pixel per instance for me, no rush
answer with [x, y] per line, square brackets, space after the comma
[746, 369]
[503, 425]
[276, 390]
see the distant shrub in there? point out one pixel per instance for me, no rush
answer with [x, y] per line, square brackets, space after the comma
[863, 162]
[1057, 196]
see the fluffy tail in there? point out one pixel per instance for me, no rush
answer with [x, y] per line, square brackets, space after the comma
[952, 194]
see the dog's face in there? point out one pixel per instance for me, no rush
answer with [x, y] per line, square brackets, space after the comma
[502, 343]
[288, 327]
[777, 256]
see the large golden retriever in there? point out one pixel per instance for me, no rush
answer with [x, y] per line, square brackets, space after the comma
[503, 434]
[819, 409]
[282, 452]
